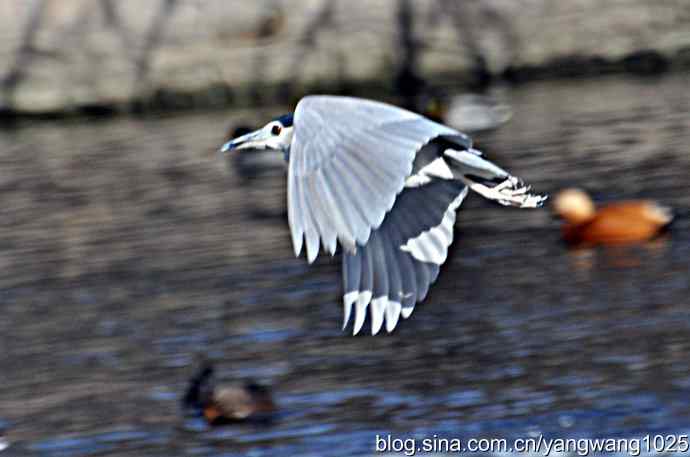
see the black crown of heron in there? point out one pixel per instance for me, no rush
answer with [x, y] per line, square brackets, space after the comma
[385, 184]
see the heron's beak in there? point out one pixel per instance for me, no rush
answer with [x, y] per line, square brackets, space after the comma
[252, 140]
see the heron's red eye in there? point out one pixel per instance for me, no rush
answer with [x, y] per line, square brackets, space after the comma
[276, 130]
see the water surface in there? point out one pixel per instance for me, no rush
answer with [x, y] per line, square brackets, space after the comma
[128, 250]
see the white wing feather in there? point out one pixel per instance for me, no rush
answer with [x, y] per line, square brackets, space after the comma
[349, 160]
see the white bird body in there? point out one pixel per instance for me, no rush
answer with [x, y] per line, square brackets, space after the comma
[385, 184]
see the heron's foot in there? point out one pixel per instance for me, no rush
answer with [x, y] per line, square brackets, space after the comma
[511, 192]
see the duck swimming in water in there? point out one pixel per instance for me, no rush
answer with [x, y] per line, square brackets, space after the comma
[227, 403]
[618, 223]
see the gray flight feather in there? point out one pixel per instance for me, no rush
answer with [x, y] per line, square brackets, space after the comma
[402, 258]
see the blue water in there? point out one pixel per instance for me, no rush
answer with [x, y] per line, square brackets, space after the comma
[129, 252]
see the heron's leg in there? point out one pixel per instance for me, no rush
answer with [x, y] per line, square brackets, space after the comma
[491, 181]
[510, 192]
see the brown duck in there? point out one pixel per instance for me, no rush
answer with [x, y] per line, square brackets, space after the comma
[227, 403]
[623, 222]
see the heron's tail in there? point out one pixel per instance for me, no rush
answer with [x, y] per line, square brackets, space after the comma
[469, 162]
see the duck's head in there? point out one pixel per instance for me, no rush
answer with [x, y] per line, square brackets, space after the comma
[574, 205]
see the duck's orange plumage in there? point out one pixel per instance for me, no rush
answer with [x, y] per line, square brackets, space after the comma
[617, 223]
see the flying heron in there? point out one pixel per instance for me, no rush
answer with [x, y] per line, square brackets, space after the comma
[384, 183]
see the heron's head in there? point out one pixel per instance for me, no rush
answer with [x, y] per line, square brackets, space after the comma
[275, 135]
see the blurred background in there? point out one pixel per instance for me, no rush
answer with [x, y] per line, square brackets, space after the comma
[129, 250]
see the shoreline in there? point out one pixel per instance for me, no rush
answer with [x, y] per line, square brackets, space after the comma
[645, 63]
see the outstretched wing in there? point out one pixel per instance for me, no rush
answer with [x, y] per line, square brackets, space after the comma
[402, 258]
[348, 161]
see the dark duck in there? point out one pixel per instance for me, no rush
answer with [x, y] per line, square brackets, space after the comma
[226, 404]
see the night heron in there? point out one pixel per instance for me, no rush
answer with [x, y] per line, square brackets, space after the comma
[384, 183]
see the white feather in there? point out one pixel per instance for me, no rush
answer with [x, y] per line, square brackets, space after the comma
[348, 300]
[406, 311]
[392, 315]
[422, 246]
[438, 168]
[377, 308]
[361, 311]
